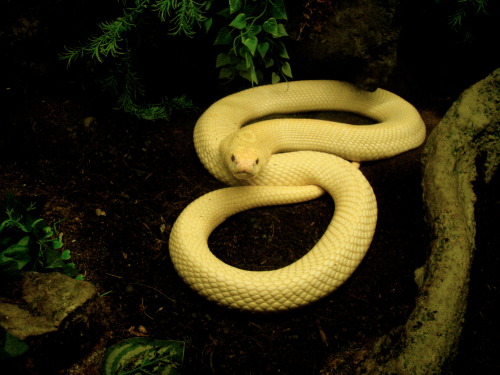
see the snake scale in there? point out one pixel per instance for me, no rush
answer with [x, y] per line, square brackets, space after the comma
[282, 161]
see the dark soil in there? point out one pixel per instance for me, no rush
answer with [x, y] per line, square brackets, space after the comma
[120, 183]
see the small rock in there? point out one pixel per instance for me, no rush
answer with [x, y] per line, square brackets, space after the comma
[57, 316]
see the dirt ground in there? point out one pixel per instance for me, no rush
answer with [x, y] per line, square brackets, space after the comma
[119, 183]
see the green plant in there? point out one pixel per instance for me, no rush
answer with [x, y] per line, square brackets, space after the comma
[252, 39]
[143, 356]
[116, 45]
[11, 346]
[187, 13]
[463, 13]
[29, 244]
[252, 33]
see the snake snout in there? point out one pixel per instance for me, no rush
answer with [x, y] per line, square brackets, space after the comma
[244, 164]
[243, 175]
[244, 168]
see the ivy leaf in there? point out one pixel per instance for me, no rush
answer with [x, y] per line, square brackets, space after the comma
[223, 37]
[248, 61]
[226, 73]
[242, 52]
[271, 26]
[253, 30]
[242, 65]
[251, 43]
[277, 30]
[286, 69]
[234, 6]
[268, 62]
[251, 20]
[250, 75]
[275, 78]
[224, 13]
[263, 48]
[282, 50]
[253, 75]
[240, 21]
[223, 59]
[208, 24]
[281, 31]
[278, 10]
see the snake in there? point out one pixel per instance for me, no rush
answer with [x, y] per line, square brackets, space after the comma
[275, 161]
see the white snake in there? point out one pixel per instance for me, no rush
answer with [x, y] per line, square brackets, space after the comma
[290, 175]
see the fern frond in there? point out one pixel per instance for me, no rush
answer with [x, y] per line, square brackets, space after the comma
[187, 13]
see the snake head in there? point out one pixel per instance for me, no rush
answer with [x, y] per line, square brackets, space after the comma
[244, 154]
[243, 163]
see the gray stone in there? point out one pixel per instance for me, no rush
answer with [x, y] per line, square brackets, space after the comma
[427, 343]
[46, 300]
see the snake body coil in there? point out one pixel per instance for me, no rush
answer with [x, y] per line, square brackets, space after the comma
[291, 160]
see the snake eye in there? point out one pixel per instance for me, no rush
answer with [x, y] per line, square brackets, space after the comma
[256, 161]
[232, 157]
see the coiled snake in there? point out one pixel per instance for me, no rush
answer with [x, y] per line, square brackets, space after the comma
[284, 161]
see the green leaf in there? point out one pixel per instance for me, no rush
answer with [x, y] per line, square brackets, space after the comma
[234, 6]
[251, 43]
[69, 269]
[144, 356]
[274, 28]
[51, 260]
[282, 50]
[253, 30]
[271, 26]
[46, 230]
[208, 24]
[268, 62]
[21, 247]
[30, 244]
[15, 258]
[223, 37]
[65, 255]
[226, 73]
[278, 9]
[250, 75]
[248, 61]
[57, 244]
[239, 22]
[224, 13]
[275, 78]
[242, 65]
[286, 69]
[281, 31]
[263, 48]
[251, 18]
[11, 346]
[223, 59]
